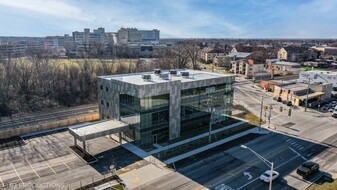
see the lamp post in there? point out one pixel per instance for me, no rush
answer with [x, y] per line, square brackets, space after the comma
[265, 161]
[306, 100]
[261, 112]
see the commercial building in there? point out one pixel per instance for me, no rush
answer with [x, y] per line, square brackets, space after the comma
[317, 77]
[164, 105]
[283, 67]
[133, 35]
[297, 93]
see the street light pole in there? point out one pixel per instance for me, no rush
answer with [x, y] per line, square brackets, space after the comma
[261, 112]
[265, 161]
[306, 100]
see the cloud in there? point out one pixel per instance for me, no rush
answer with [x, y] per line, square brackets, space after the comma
[48, 7]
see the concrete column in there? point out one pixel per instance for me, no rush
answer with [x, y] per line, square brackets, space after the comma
[75, 141]
[84, 148]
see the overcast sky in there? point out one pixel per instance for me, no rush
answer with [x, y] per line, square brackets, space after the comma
[186, 19]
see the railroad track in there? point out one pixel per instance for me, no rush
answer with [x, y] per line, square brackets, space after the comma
[29, 119]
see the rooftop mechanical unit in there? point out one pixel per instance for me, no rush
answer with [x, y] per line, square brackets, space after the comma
[157, 71]
[165, 76]
[147, 77]
[185, 74]
[173, 72]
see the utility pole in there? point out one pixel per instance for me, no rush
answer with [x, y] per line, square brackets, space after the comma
[306, 100]
[261, 113]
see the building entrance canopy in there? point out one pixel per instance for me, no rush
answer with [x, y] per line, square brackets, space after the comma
[97, 129]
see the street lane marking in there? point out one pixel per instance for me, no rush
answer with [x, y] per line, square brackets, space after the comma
[288, 140]
[127, 172]
[223, 187]
[47, 163]
[139, 163]
[199, 187]
[16, 172]
[2, 182]
[259, 177]
[298, 154]
[301, 148]
[33, 168]
[60, 159]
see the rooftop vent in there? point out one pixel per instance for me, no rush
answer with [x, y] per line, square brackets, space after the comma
[185, 74]
[147, 77]
[165, 76]
[157, 71]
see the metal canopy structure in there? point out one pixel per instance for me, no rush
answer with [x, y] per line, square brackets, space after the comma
[96, 129]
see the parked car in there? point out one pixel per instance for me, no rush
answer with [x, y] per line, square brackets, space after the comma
[331, 110]
[307, 169]
[284, 102]
[289, 103]
[266, 176]
[279, 99]
[334, 113]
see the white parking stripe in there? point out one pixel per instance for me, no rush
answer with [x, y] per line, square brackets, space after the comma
[288, 140]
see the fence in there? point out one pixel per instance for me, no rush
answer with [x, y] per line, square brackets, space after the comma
[26, 129]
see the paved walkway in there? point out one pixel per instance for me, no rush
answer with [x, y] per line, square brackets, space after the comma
[212, 145]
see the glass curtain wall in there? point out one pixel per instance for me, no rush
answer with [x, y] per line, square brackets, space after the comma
[148, 118]
[197, 104]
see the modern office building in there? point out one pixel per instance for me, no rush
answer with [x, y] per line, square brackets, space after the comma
[163, 105]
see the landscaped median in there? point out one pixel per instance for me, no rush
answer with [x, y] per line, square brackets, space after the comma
[324, 183]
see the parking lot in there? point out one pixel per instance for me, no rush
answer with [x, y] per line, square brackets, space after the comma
[47, 161]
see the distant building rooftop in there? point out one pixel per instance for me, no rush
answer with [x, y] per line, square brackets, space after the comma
[136, 78]
[238, 54]
[285, 63]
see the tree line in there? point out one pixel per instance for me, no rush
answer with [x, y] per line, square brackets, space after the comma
[35, 82]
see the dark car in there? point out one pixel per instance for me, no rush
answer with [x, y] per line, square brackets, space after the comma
[279, 99]
[289, 103]
[307, 169]
[284, 102]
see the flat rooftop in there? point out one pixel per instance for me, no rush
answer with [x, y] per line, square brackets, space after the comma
[322, 72]
[194, 75]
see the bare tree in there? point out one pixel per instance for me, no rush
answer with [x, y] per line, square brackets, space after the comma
[192, 49]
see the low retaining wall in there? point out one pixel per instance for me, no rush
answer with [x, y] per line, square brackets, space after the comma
[26, 129]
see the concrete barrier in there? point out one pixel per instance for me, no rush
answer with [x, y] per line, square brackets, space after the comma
[22, 130]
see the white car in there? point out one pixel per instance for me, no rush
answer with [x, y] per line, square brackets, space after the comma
[266, 176]
[331, 110]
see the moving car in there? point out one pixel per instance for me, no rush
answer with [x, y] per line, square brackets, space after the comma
[266, 176]
[307, 169]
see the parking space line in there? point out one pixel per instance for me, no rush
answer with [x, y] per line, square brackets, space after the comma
[60, 159]
[127, 172]
[16, 172]
[33, 169]
[138, 163]
[2, 182]
[47, 163]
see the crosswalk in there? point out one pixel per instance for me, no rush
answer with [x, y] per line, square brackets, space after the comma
[223, 187]
[298, 146]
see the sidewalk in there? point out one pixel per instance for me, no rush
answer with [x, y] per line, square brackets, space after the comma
[212, 145]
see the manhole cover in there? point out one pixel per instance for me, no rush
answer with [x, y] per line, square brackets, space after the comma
[289, 124]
